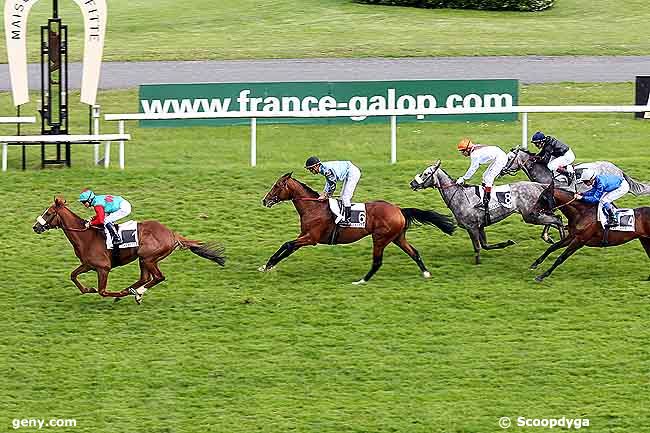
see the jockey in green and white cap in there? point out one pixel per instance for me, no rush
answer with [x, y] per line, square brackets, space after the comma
[108, 209]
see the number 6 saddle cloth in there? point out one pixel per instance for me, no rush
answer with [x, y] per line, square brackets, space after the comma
[357, 215]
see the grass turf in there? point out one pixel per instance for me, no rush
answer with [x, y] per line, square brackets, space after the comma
[242, 29]
[300, 349]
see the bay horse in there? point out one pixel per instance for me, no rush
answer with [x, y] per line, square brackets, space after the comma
[384, 221]
[584, 227]
[156, 243]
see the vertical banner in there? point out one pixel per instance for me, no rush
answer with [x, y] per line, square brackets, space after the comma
[642, 95]
[95, 17]
[16, 14]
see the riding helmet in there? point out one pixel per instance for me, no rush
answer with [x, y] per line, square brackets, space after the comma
[538, 137]
[312, 161]
[587, 174]
[86, 196]
[464, 144]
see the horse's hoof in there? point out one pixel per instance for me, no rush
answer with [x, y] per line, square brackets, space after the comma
[116, 300]
[358, 283]
[511, 242]
[533, 266]
[426, 274]
[138, 299]
[264, 268]
[539, 278]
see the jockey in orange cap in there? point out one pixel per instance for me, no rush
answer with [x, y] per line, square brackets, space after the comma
[481, 154]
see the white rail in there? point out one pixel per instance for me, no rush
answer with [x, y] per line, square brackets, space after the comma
[392, 114]
[26, 119]
[7, 140]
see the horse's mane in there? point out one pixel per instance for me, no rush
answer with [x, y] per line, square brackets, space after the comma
[65, 206]
[307, 187]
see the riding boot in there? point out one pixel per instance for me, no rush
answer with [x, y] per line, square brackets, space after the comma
[347, 211]
[485, 204]
[611, 216]
[117, 239]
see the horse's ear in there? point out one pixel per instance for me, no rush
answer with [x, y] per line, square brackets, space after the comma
[436, 165]
[59, 201]
[287, 175]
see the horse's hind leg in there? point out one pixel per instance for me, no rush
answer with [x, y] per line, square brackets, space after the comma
[646, 246]
[486, 246]
[413, 253]
[379, 243]
[82, 269]
[137, 289]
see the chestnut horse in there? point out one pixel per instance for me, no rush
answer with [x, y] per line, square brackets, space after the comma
[156, 243]
[384, 221]
[584, 227]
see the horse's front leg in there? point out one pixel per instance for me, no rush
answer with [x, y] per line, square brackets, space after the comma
[286, 250]
[102, 282]
[498, 246]
[560, 244]
[82, 269]
[574, 246]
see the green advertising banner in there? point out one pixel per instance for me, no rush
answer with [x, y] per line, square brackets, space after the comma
[327, 96]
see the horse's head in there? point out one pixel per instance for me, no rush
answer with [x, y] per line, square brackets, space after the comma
[546, 201]
[280, 191]
[427, 178]
[50, 218]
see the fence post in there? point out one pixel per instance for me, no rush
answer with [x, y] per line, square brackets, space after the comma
[96, 131]
[253, 141]
[121, 130]
[4, 156]
[524, 131]
[393, 139]
[107, 154]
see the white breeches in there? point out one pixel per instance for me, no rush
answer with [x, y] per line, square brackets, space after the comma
[562, 161]
[494, 170]
[124, 210]
[617, 193]
[354, 174]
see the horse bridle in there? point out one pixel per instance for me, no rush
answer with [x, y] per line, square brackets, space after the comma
[47, 224]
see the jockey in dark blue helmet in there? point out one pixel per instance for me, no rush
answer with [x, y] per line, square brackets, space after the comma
[557, 156]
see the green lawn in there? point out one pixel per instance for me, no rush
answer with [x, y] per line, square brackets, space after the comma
[301, 349]
[243, 29]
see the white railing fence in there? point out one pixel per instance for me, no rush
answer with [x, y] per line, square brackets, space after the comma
[392, 114]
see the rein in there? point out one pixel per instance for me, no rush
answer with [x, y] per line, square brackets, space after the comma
[562, 205]
[307, 199]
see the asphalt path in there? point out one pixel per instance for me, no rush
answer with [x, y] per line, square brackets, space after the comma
[530, 69]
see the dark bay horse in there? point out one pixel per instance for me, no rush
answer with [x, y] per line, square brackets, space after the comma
[384, 221]
[584, 227]
[156, 243]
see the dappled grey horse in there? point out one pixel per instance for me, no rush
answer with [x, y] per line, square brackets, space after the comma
[537, 171]
[518, 197]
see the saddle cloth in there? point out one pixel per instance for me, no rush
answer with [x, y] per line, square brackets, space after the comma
[501, 196]
[357, 215]
[129, 232]
[624, 218]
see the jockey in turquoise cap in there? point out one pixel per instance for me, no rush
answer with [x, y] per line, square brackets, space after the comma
[108, 209]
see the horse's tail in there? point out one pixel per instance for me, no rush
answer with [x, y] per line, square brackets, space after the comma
[211, 251]
[637, 188]
[428, 217]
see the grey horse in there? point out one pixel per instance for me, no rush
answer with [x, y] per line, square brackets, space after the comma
[537, 171]
[518, 197]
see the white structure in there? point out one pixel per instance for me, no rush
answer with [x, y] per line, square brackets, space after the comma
[393, 114]
[34, 139]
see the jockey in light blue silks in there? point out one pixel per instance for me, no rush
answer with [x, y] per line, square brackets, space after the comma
[108, 209]
[605, 188]
[336, 171]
